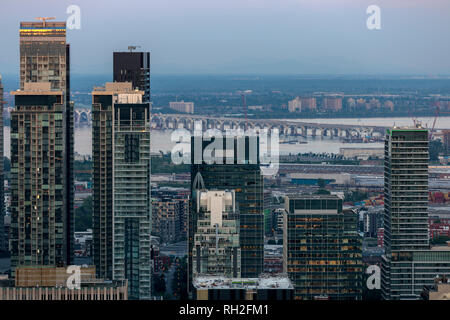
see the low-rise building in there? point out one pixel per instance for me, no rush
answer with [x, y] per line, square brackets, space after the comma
[51, 283]
[266, 287]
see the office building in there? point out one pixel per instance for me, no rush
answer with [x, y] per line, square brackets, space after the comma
[241, 173]
[133, 67]
[216, 249]
[45, 57]
[322, 248]
[409, 262]
[264, 287]
[122, 202]
[39, 220]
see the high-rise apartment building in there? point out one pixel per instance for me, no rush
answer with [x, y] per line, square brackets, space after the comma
[322, 248]
[216, 249]
[122, 199]
[167, 223]
[45, 57]
[133, 67]
[241, 173]
[40, 229]
[409, 263]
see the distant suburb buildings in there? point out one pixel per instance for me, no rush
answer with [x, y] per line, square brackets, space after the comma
[322, 248]
[181, 106]
[122, 199]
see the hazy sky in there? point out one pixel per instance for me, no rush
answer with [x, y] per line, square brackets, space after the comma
[246, 36]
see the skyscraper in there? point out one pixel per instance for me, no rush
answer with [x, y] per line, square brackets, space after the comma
[244, 177]
[216, 248]
[45, 77]
[133, 67]
[322, 248]
[122, 199]
[3, 244]
[405, 203]
[409, 263]
[38, 182]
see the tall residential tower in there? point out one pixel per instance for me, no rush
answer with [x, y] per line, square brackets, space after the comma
[42, 138]
[122, 199]
[409, 262]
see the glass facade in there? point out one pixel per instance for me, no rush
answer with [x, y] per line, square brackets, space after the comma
[247, 182]
[322, 248]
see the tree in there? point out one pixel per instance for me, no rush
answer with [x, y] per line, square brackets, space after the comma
[83, 215]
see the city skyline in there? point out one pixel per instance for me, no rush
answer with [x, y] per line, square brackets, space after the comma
[349, 209]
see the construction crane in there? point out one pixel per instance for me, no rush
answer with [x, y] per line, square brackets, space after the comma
[438, 112]
[438, 106]
[43, 19]
[131, 48]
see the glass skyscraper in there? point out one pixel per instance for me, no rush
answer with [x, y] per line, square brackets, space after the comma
[322, 248]
[244, 177]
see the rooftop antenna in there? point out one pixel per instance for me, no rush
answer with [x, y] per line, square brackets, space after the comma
[131, 48]
[43, 19]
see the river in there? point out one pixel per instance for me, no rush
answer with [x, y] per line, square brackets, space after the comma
[161, 140]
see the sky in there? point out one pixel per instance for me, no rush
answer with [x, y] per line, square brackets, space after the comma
[246, 36]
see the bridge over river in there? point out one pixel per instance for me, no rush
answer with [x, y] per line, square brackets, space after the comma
[285, 127]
